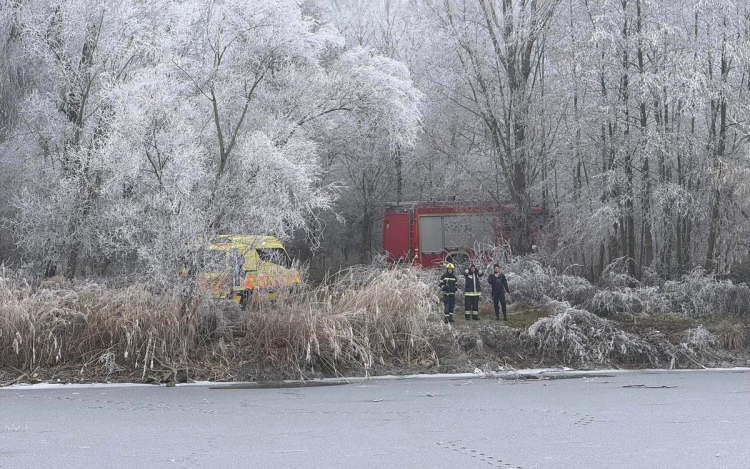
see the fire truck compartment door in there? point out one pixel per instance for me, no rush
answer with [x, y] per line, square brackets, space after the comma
[467, 231]
[396, 239]
[431, 234]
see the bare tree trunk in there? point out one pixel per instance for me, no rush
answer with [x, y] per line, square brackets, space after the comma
[398, 163]
[714, 228]
[366, 241]
[647, 244]
[629, 231]
[666, 124]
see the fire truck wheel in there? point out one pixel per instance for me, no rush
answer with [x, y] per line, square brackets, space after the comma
[458, 258]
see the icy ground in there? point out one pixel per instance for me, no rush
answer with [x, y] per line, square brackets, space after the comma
[697, 419]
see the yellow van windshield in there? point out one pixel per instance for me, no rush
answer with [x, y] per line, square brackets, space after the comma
[275, 256]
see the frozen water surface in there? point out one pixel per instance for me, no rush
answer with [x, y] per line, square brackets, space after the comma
[696, 419]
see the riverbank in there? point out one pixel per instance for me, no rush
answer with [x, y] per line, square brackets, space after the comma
[366, 322]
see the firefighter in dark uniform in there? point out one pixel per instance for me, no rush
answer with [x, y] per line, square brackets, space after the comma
[472, 291]
[499, 285]
[448, 286]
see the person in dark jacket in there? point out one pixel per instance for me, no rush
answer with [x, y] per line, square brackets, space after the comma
[472, 291]
[449, 288]
[499, 285]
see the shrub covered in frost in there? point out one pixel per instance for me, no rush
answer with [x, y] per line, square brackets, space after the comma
[700, 340]
[578, 337]
[629, 300]
[530, 281]
[698, 294]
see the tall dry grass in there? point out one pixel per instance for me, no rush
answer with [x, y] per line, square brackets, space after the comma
[731, 335]
[357, 321]
[92, 327]
[361, 320]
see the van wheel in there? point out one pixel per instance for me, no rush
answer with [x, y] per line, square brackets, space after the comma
[245, 298]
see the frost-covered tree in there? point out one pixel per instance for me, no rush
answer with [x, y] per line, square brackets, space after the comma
[16, 80]
[651, 80]
[83, 50]
[203, 118]
[497, 49]
[636, 135]
[134, 131]
[373, 159]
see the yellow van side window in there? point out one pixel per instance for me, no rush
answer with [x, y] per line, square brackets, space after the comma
[275, 256]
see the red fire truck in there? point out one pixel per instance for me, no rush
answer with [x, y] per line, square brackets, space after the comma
[431, 233]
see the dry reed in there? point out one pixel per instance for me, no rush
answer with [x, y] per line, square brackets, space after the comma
[354, 322]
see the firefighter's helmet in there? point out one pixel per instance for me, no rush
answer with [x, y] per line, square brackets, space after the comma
[450, 266]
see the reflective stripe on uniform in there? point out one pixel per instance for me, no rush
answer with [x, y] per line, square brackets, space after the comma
[472, 293]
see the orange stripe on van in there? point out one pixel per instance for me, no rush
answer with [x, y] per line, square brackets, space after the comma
[268, 281]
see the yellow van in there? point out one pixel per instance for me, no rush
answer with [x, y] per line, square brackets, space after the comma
[239, 266]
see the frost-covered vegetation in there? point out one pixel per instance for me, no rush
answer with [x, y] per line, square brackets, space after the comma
[132, 133]
[619, 321]
[696, 295]
[365, 320]
[360, 321]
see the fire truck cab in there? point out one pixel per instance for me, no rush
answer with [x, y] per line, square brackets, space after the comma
[430, 233]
